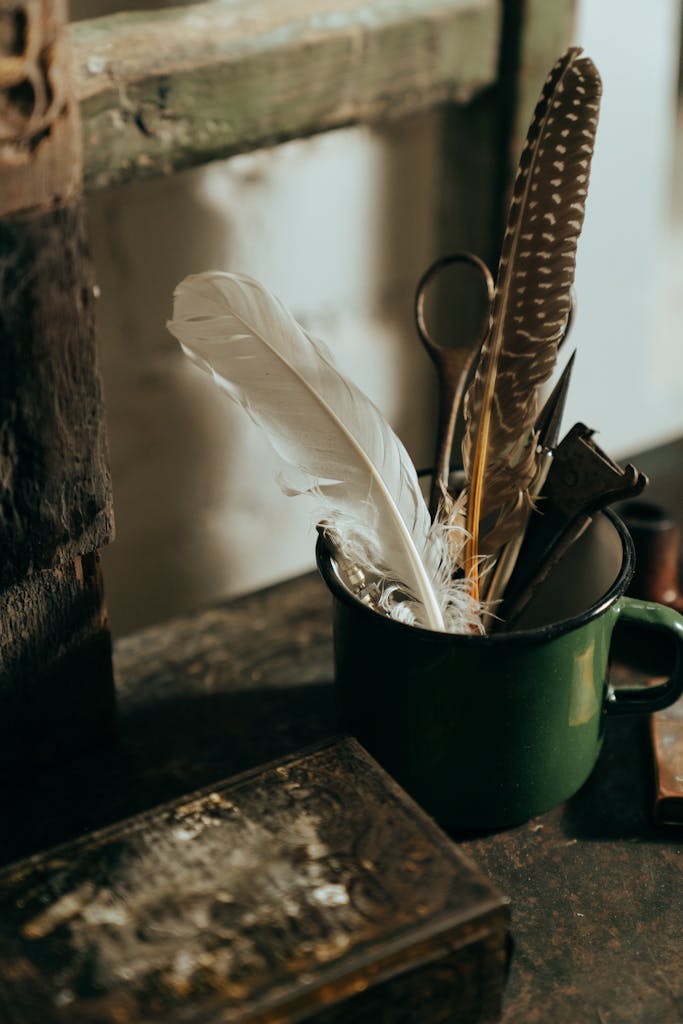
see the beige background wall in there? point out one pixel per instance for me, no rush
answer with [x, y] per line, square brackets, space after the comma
[198, 512]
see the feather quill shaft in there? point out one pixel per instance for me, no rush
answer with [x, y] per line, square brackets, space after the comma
[531, 303]
[333, 441]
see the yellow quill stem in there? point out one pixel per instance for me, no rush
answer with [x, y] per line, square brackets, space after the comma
[530, 307]
[474, 505]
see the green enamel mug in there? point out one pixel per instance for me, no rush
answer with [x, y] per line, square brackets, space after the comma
[489, 731]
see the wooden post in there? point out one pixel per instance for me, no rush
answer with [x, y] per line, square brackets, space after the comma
[56, 686]
[481, 145]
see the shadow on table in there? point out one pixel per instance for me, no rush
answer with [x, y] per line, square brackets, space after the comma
[614, 804]
[617, 800]
[161, 751]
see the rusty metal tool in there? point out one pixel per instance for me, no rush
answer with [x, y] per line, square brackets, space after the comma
[582, 480]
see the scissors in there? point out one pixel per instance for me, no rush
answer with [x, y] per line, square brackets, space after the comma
[452, 366]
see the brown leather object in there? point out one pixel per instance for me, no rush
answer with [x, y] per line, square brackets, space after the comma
[656, 538]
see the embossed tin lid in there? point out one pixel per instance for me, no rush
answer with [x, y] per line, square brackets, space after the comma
[278, 895]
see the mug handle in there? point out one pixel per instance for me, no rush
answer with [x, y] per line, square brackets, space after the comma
[643, 699]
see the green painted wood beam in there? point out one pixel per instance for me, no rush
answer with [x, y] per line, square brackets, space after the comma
[161, 91]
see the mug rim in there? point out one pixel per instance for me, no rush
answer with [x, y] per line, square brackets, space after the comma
[617, 588]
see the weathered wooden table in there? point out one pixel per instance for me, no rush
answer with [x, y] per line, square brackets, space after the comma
[596, 889]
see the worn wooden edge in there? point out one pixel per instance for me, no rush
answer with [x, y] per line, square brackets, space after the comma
[40, 141]
[57, 694]
[161, 91]
[340, 983]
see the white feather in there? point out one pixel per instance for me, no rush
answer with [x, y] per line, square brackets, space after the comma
[333, 440]
[462, 613]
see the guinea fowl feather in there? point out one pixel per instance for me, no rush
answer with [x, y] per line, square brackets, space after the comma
[530, 307]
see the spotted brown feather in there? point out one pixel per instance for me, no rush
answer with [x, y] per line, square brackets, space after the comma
[532, 299]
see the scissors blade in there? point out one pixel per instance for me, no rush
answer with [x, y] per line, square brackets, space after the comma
[549, 419]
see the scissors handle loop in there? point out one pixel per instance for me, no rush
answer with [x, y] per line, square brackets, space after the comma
[461, 256]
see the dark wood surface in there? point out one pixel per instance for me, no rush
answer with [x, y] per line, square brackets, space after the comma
[596, 887]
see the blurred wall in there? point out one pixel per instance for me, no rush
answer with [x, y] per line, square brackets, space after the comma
[340, 227]
[628, 378]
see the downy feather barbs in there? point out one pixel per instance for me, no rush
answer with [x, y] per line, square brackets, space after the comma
[333, 442]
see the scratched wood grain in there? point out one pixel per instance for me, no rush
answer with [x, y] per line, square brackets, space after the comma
[160, 91]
